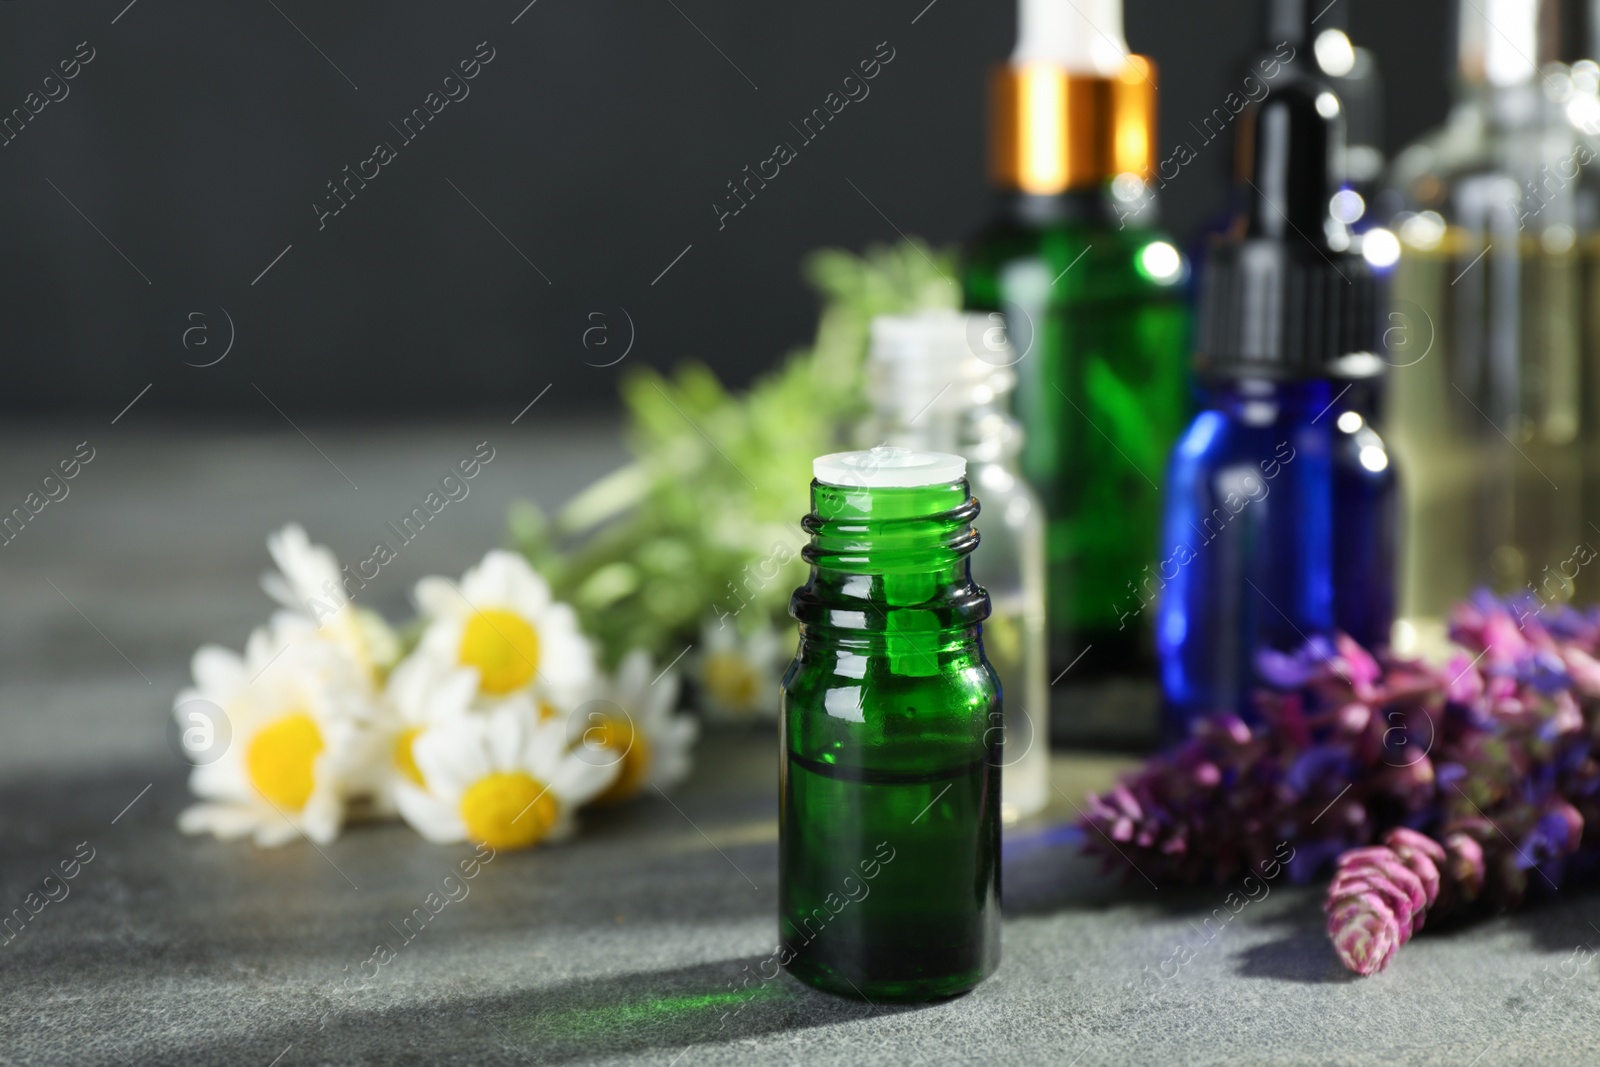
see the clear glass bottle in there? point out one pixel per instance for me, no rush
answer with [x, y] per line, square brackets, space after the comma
[940, 381]
[1494, 396]
[889, 819]
[1093, 294]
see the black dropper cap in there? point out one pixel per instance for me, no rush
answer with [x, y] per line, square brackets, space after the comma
[1287, 31]
[1282, 296]
[1298, 22]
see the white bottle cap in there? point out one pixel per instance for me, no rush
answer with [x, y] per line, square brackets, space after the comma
[1498, 42]
[1079, 36]
[886, 467]
[936, 361]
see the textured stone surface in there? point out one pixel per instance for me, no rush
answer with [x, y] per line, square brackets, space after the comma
[635, 942]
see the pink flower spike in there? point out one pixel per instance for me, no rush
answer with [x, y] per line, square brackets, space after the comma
[1423, 855]
[1126, 802]
[1359, 665]
[1380, 896]
[1233, 728]
[1583, 669]
[1362, 887]
[1465, 683]
[1363, 934]
[1573, 820]
[1428, 872]
[1567, 717]
[1403, 840]
[1353, 718]
[1503, 638]
[1501, 687]
[1466, 866]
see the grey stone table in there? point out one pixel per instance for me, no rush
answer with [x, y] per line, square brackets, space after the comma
[637, 941]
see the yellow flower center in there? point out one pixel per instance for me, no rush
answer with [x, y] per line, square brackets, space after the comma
[405, 760]
[619, 737]
[503, 646]
[511, 810]
[731, 680]
[281, 757]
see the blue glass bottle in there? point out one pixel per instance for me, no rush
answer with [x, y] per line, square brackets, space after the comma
[1248, 536]
[1247, 541]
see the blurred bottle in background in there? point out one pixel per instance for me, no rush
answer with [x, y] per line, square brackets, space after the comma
[1366, 501]
[1247, 564]
[1492, 336]
[942, 382]
[1093, 297]
[1309, 37]
[1366, 488]
[1352, 73]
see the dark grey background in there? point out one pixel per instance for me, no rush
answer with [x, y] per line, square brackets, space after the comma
[202, 133]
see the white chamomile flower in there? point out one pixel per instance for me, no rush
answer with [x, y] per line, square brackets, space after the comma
[501, 622]
[630, 720]
[308, 582]
[421, 693]
[738, 675]
[501, 777]
[295, 723]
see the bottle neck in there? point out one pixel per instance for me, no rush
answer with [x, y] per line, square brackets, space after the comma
[1263, 402]
[1364, 396]
[890, 563]
[1110, 204]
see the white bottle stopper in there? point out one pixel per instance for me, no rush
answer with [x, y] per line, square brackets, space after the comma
[937, 361]
[887, 467]
[1079, 36]
[1499, 41]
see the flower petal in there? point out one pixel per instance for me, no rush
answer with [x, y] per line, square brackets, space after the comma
[428, 815]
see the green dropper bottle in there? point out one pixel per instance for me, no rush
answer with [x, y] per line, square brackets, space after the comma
[1093, 299]
[889, 839]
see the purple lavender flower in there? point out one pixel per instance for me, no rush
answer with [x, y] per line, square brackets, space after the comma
[1553, 836]
[1502, 745]
[1545, 670]
[1292, 670]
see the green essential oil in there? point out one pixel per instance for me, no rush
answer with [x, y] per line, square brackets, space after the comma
[890, 812]
[1097, 318]
[1092, 297]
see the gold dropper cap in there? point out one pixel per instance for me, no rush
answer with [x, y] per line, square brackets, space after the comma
[1052, 130]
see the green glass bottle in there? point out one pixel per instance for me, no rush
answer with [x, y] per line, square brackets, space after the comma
[1092, 296]
[889, 840]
